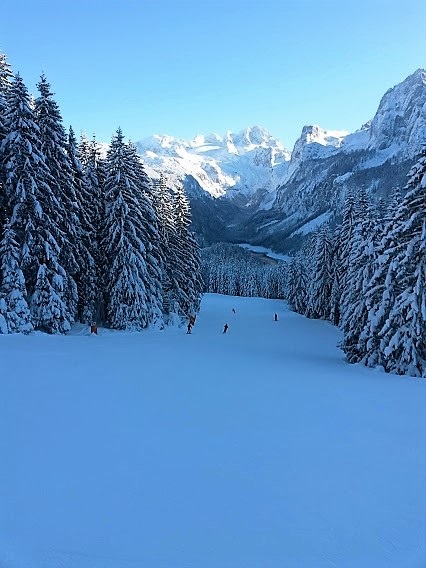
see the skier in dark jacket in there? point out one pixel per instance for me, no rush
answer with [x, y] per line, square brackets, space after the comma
[275, 317]
[225, 328]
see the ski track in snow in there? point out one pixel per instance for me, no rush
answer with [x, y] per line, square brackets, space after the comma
[259, 448]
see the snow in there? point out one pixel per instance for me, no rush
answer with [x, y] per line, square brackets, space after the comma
[242, 162]
[258, 448]
[325, 137]
[267, 252]
[312, 225]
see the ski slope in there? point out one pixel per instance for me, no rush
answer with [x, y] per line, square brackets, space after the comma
[260, 448]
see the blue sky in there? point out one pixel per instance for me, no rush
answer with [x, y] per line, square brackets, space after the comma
[185, 67]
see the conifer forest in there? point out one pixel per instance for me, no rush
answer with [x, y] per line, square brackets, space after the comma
[85, 238]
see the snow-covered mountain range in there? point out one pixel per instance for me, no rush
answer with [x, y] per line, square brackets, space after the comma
[247, 186]
[235, 165]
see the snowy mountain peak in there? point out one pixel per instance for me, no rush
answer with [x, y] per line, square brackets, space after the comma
[314, 140]
[211, 139]
[419, 76]
[246, 161]
[400, 120]
[253, 136]
[318, 135]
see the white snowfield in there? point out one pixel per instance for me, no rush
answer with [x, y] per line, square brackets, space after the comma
[259, 448]
[267, 252]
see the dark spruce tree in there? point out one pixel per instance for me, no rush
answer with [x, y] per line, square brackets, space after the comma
[355, 307]
[345, 241]
[186, 282]
[53, 141]
[163, 206]
[94, 174]
[150, 235]
[5, 81]
[403, 339]
[322, 275]
[31, 202]
[15, 314]
[87, 277]
[298, 283]
[379, 295]
[128, 305]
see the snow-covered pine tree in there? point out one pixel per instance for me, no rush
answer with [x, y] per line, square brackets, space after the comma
[186, 282]
[360, 272]
[96, 164]
[83, 148]
[163, 205]
[322, 277]
[54, 148]
[336, 291]
[94, 172]
[297, 283]
[87, 279]
[382, 288]
[345, 240]
[48, 308]
[150, 235]
[15, 314]
[5, 79]
[30, 199]
[403, 336]
[127, 283]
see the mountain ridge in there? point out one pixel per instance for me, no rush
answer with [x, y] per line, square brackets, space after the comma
[269, 191]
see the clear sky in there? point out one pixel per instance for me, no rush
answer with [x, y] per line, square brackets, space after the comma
[196, 66]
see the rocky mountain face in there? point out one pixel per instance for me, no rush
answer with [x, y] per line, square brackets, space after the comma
[248, 187]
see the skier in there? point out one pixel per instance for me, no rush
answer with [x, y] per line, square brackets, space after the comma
[225, 328]
[189, 328]
[275, 317]
[233, 310]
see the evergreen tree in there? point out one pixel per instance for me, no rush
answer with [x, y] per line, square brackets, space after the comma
[403, 341]
[336, 285]
[379, 295]
[84, 150]
[5, 79]
[31, 199]
[345, 242]
[355, 307]
[128, 285]
[14, 311]
[53, 141]
[150, 234]
[48, 308]
[88, 281]
[163, 206]
[321, 283]
[297, 284]
[94, 173]
[185, 273]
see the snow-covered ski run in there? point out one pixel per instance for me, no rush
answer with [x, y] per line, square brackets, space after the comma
[258, 448]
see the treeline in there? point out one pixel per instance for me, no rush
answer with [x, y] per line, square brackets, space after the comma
[232, 270]
[369, 277]
[84, 238]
